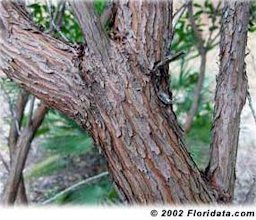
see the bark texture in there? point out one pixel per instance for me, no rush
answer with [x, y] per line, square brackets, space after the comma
[229, 98]
[140, 136]
[110, 87]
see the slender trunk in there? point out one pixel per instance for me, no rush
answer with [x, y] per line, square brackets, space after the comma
[18, 113]
[230, 98]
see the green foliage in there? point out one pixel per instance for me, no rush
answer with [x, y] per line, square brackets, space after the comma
[46, 167]
[184, 39]
[69, 27]
[63, 136]
[64, 139]
[40, 14]
[99, 6]
[198, 138]
[252, 19]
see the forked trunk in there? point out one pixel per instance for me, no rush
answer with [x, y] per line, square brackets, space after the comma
[115, 88]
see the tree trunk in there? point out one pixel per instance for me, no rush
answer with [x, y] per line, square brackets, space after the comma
[110, 86]
[230, 98]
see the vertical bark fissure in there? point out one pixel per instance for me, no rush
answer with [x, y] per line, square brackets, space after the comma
[230, 98]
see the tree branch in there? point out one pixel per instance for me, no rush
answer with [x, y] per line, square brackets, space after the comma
[45, 66]
[23, 145]
[179, 13]
[249, 98]
[56, 20]
[42, 65]
[94, 34]
[13, 137]
[6, 166]
[200, 40]
[202, 52]
[140, 137]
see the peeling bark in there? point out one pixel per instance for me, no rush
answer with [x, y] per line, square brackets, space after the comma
[108, 87]
[230, 98]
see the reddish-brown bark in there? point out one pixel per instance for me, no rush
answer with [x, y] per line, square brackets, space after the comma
[108, 87]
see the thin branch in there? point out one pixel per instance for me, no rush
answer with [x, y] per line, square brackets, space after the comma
[57, 28]
[210, 39]
[179, 13]
[56, 20]
[202, 52]
[166, 60]
[4, 163]
[75, 186]
[200, 40]
[23, 146]
[248, 92]
[95, 35]
[249, 98]
[14, 131]
[10, 105]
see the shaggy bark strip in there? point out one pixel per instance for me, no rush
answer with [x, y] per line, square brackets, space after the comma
[229, 98]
